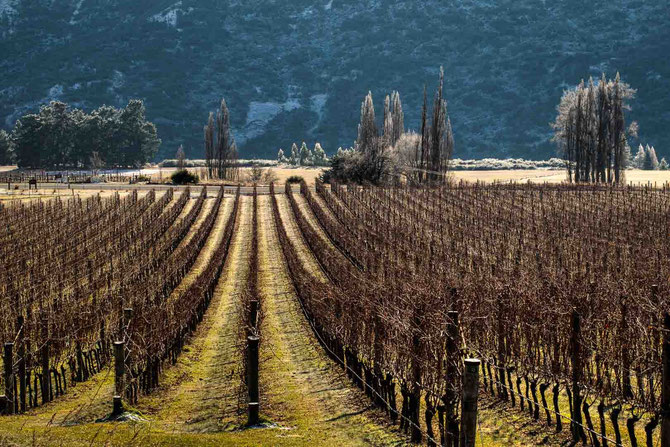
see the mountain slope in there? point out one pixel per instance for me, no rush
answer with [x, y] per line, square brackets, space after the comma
[298, 70]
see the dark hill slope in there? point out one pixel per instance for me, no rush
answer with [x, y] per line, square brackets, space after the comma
[294, 70]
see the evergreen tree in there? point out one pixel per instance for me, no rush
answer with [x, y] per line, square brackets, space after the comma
[638, 161]
[58, 136]
[295, 158]
[320, 158]
[281, 158]
[6, 149]
[305, 156]
[650, 160]
[29, 137]
[95, 162]
[663, 165]
[138, 138]
[87, 138]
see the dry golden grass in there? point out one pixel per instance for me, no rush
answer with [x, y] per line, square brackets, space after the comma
[633, 176]
[309, 262]
[281, 173]
[24, 195]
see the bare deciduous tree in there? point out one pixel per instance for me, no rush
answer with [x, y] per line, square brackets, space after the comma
[590, 130]
[181, 157]
[221, 154]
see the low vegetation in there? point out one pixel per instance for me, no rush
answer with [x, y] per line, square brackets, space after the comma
[295, 179]
[184, 177]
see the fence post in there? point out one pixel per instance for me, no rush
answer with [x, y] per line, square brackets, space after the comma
[44, 351]
[469, 405]
[450, 396]
[415, 390]
[576, 376]
[119, 373]
[22, 363]
[252, 379]
[9, 377]
[665, 385]
[253, 317]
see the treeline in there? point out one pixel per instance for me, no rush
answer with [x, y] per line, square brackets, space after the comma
[393, 155]
[304, 156]
[590, 130]
[62, 137]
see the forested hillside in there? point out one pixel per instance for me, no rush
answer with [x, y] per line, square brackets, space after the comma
[298, 70]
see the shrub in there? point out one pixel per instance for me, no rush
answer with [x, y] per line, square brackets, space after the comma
[183, 177]
[353, 166]
[294, 179]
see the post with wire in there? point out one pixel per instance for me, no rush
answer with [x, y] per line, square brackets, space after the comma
[9, 378]
[119, 373]
[469, 403]
[665, 385]
[252, 380]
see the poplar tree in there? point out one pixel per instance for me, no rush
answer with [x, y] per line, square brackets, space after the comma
[224, 143]
[436, 144]
[438, 134]
[422, 147]
[209, 145]
[367, 129]
[181, 157]
[388, 122]
[398, 118]
[590, 130]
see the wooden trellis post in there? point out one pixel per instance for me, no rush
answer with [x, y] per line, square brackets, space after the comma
[576, 377]
[9, 377]
[22, 363]
[665, 385]
[119, 373]
[252, 380]
[468, 433]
